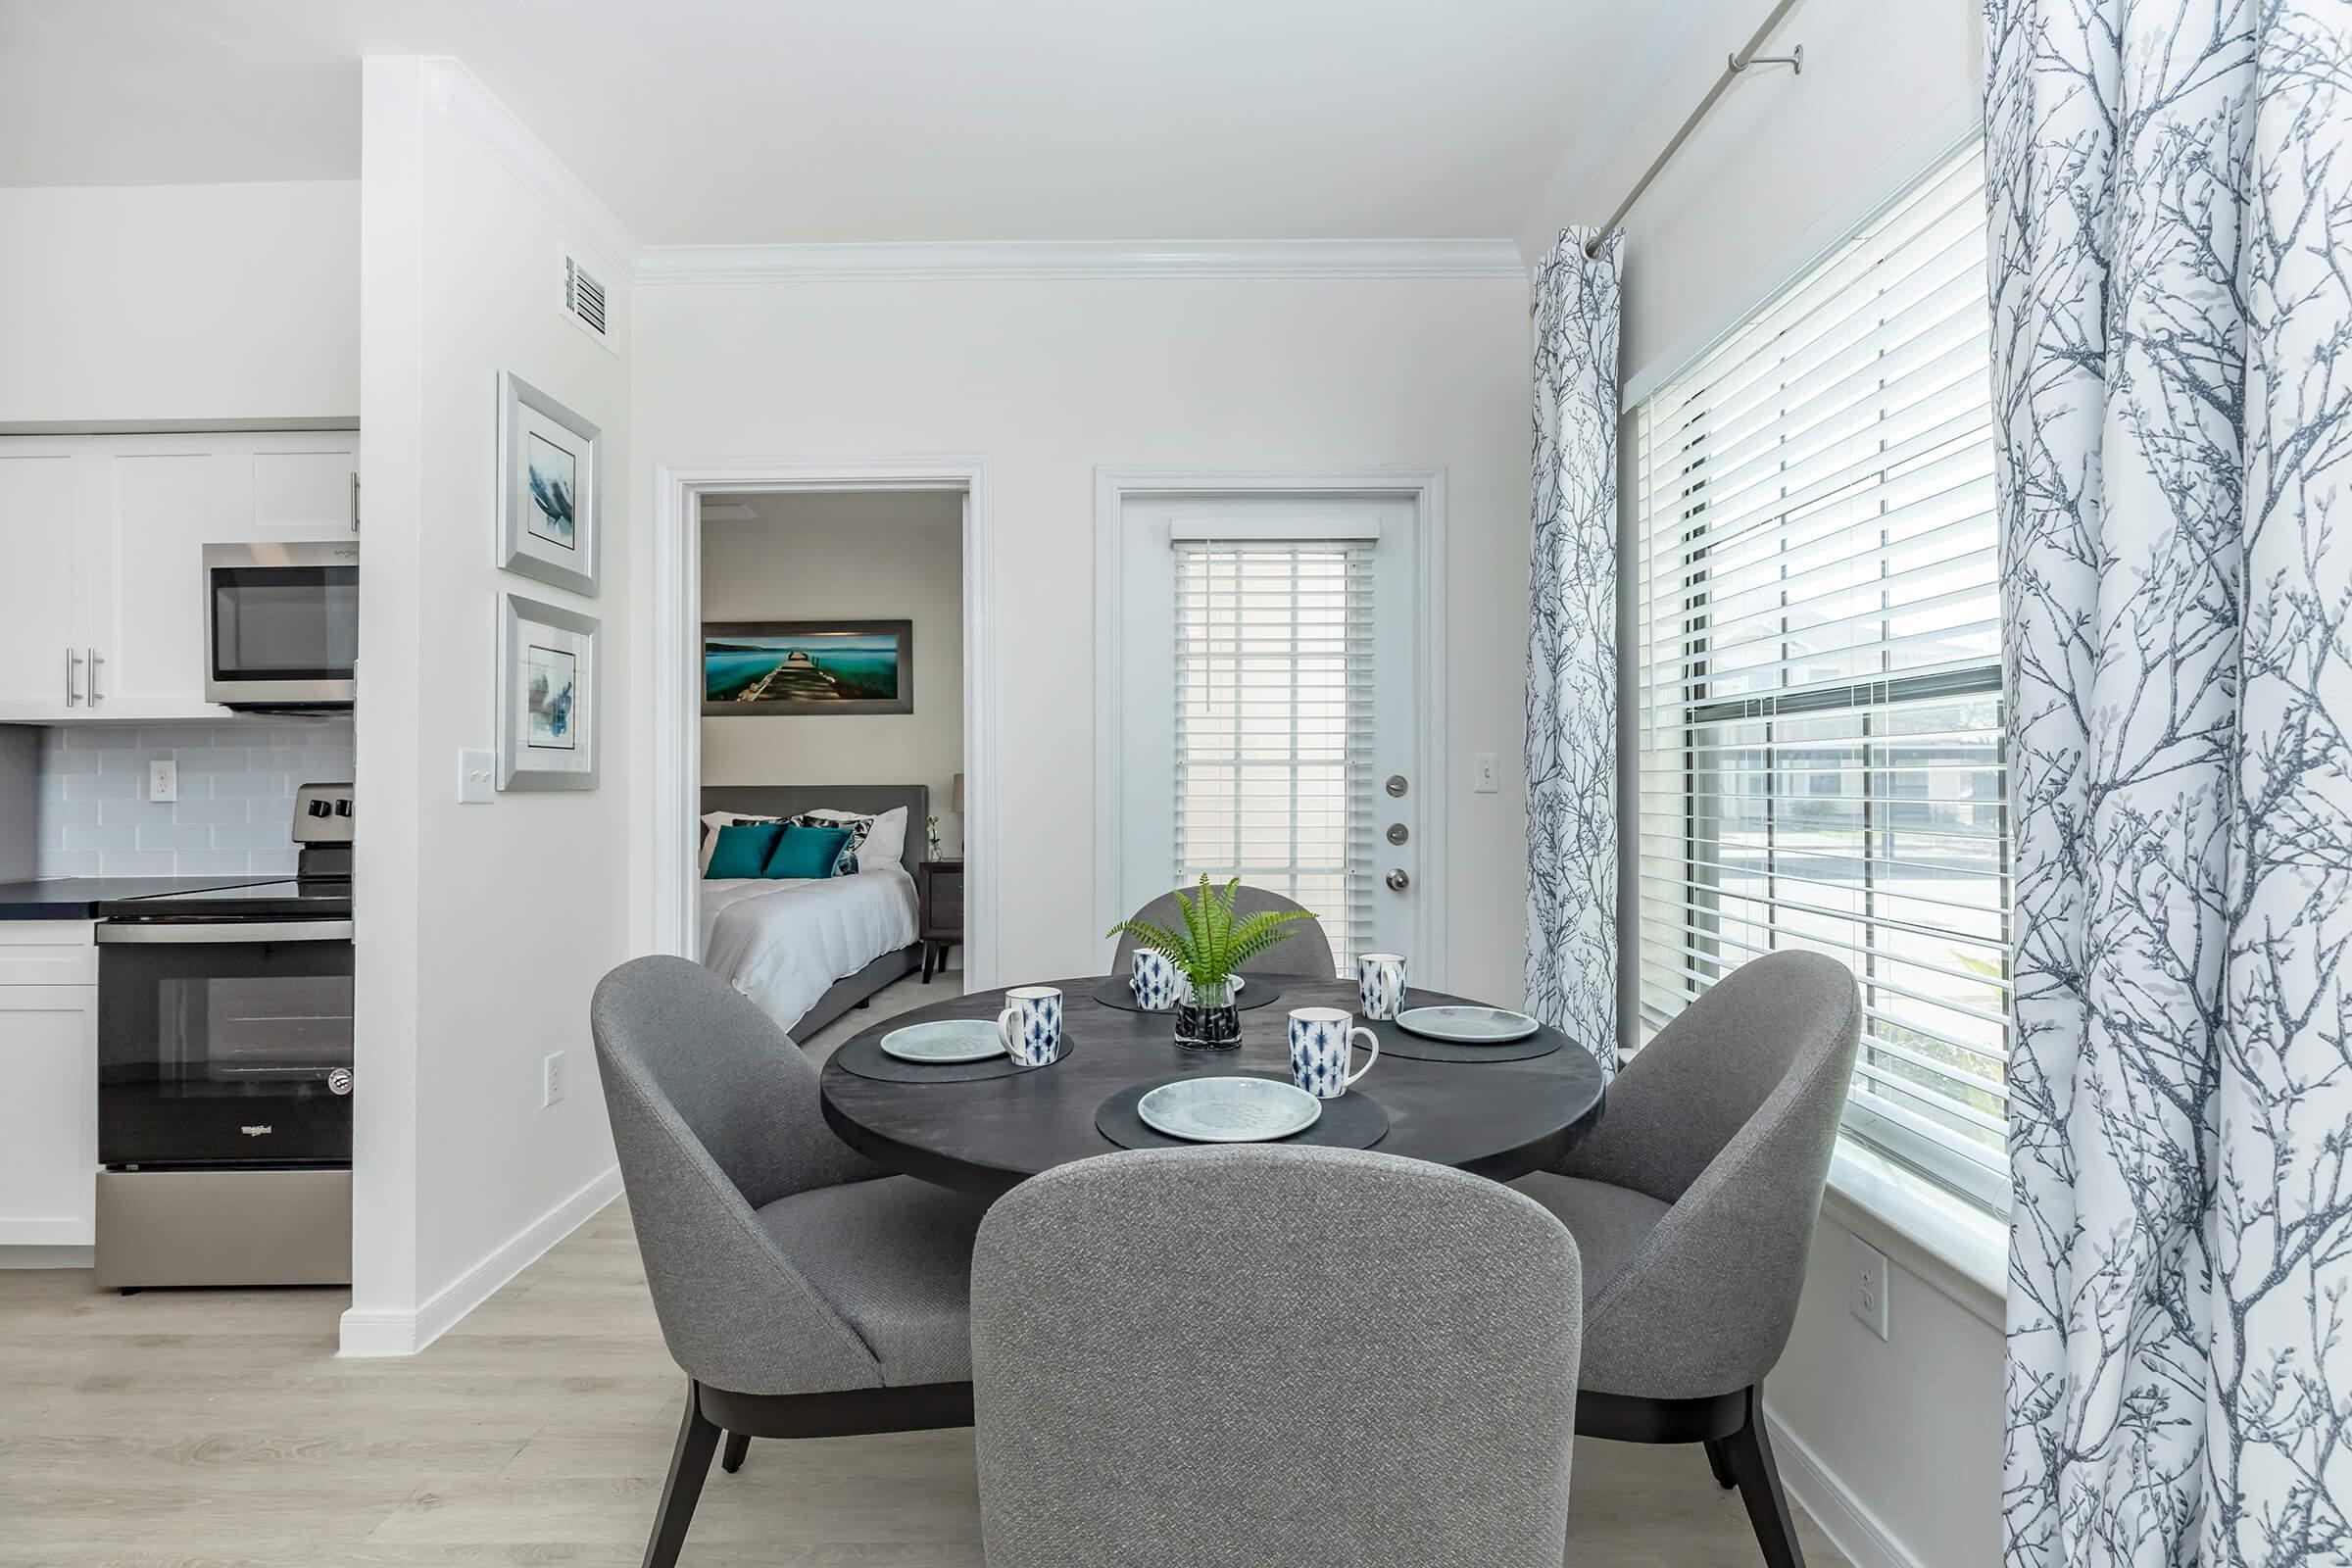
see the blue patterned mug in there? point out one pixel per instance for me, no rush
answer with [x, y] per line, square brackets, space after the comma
[1379, 984]
[1031, 1024]
[1154, 980]
[1320, 1038]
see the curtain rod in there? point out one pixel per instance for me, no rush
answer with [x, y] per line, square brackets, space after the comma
[1739, 62]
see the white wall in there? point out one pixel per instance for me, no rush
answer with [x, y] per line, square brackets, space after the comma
[1048, 379]
[180, 303]
[482, 929]
[1894, 1445]
[863, 555]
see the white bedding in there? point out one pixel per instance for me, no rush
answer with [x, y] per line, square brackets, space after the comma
[783, 943]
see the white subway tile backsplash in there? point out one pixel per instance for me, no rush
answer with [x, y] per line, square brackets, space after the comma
[137, 862]
[227, 862]
[97, 785]
[237, 796]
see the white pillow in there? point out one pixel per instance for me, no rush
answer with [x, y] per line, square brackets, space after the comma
[885, 842]
[712, 822]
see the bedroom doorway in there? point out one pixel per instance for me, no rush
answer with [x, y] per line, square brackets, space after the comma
[823, 652]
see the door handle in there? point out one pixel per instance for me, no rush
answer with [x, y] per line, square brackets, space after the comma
[355, 501]
[1398, 881]
[72, 677]
[95, 661]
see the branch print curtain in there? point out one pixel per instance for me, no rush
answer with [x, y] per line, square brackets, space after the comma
[1572, 648]
[2172, 261]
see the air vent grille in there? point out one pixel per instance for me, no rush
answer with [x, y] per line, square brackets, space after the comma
[586, 302]
[583, 296]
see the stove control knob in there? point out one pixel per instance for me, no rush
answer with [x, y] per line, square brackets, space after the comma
[338, 1081]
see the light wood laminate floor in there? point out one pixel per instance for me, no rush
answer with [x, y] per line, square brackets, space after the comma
[219, 1427]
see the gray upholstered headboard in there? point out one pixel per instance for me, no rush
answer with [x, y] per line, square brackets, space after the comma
[791, 799]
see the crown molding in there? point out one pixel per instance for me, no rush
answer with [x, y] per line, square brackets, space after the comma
[958, 260]
[459, 94]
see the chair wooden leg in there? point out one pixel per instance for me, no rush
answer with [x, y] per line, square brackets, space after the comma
[1721, 1464]
[730, 1458]
[689, 1466]
[1748, 1453]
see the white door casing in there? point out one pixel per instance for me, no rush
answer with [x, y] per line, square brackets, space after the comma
[678, 489]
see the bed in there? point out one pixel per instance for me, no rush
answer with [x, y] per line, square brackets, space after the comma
[808, 951]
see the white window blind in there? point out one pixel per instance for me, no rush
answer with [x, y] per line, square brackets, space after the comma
[1274, 723]
[1822, 762]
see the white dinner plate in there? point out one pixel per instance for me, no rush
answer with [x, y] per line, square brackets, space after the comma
[952, 1040]
[1228, 1110]
[1467, 1026]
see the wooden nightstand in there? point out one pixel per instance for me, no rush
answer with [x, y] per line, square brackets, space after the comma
[939, 910]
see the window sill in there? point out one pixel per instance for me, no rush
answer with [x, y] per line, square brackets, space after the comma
[1954, 1247]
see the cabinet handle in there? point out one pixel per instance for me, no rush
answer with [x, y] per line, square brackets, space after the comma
[72, 677]
[355, 501]
[95, 661]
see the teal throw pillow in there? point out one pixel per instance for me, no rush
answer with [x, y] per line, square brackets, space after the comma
[806, 852]
[743, 849]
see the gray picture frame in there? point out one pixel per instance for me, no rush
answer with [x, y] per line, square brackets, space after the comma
[902, 630]
[533, 637]
[530, 422]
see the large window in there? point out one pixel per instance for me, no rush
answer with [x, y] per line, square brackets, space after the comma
[1821, 755]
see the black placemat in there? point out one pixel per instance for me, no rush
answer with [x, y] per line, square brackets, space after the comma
[1355, 1120]
[1115, 992]
[1396, 1042]
[867, 1059]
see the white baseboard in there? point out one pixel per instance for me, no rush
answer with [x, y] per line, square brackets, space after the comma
[378, 1332]
[1842, 1517]
[47, 1256]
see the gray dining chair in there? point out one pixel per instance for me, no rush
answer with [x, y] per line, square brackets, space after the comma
[1236, 1356]
[1305, 952]
[805, 1291]
[1693, 1204]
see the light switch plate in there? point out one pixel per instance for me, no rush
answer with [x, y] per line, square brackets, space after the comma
[477, 777]
[1481, 773]
[162, 779]
[551, 1083]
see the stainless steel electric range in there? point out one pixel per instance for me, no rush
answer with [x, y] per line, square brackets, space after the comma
[224, 1073]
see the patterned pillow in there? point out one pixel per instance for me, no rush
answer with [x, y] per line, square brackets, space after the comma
[861, 828]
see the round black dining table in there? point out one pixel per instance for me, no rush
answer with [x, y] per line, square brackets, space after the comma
[1500, 1120]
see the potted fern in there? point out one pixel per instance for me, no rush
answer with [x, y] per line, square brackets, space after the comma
[1211, 945]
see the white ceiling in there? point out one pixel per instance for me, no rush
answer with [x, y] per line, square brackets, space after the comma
[718, 122]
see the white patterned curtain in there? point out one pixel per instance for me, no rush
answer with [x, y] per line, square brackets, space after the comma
[1572, 648]
[2171, 236]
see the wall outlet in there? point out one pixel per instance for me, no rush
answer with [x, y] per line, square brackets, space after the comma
[477, 777]
[1481, 773]
[1867, 1280]
[551, 1080]
[162, 780]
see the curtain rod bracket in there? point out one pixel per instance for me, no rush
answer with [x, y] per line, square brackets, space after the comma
[1794, 60]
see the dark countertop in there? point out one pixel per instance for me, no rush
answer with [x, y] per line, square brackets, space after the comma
[77, 898]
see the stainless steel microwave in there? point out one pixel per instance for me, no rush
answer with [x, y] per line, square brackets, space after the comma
[281, 624]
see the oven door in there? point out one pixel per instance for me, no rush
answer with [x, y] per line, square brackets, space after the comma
[281, 624]
[224, 1044]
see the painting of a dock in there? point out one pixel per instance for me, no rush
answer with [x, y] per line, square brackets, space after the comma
[775, 668]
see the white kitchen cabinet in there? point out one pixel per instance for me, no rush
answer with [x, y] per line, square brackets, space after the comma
[102, 539]
[49, 1060]
[39, 627]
